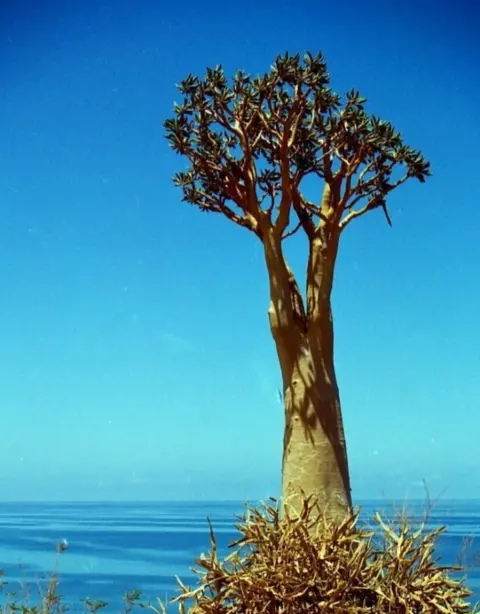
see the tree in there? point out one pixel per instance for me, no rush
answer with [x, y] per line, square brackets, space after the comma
[250, 144]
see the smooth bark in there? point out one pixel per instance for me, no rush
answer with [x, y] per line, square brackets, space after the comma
[314, 451]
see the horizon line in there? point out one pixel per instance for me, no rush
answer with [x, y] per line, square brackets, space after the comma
[204, 501]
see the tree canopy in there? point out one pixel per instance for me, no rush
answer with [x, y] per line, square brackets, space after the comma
[251, 142]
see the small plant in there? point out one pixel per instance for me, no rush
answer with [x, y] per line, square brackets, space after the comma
[50, 601]
[309, 563]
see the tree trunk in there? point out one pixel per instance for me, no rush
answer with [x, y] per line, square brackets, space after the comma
[314, 450]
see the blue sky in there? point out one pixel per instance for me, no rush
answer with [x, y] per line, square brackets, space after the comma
[135, 356]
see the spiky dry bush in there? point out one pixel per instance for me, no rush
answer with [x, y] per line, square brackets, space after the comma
[297, 563]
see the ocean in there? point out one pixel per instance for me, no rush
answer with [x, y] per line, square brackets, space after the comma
[115, 547]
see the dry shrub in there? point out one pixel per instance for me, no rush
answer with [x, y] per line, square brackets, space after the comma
[300, 564]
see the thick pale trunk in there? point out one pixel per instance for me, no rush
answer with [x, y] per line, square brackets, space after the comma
[314, 451]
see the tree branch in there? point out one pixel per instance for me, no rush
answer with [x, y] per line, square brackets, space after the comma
[304, 217]
[371, 204]
[288, 137]
[249, 172]
[290, 233]
[377, 200]
[216, 206]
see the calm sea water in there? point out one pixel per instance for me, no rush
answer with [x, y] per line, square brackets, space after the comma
[114, 547]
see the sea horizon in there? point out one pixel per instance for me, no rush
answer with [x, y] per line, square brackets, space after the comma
[433, 500]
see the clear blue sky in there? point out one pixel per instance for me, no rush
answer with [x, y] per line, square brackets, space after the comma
[135, 354]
